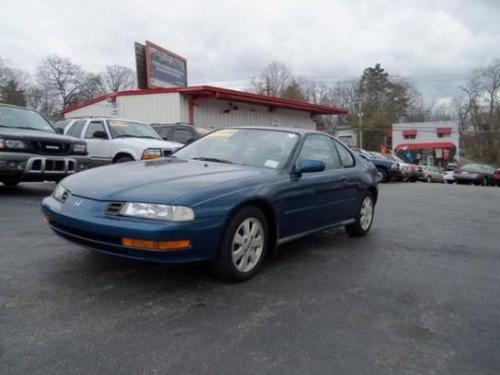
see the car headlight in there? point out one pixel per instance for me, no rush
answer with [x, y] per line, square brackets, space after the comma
[394, 166]
[80, 148]
[157, 211]
[151, 153]
[12, 144]
[60, 193]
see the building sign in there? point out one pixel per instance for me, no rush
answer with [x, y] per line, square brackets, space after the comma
[140, 66]
[164, 68]
[157, 67]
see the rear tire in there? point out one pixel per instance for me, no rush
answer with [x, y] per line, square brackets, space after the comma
[382, 175]
[244, 246]
[364, 219]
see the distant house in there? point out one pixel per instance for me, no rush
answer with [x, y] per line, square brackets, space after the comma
[428, 143]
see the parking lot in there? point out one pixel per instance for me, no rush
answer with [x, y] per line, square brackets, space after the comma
[420, 294]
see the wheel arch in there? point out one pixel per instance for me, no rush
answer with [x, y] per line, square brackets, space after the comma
[267, 209]
[120, 154]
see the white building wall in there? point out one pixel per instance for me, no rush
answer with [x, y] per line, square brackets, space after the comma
[426, 133]
[212, 113]
[173, 107]
[165, 108]
[103, 108]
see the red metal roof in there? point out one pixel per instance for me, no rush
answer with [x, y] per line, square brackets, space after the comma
[425, 146]
[211, 92]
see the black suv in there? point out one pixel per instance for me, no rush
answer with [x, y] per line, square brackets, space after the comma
[31, 150]
[181, 132]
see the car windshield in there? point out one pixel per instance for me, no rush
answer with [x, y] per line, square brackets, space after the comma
[123, 129]
[19, 118]
[254, 147]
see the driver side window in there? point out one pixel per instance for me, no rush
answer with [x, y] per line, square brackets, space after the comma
[94, 127]
[320, 147]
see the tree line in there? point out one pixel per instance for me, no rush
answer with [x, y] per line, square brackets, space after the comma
[57, 83]
[376, 100]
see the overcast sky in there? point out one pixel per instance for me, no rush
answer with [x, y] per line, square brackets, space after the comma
[436, 43]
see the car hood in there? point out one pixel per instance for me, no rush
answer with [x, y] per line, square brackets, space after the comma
[36, 135]
[165, 180]
[153, 143]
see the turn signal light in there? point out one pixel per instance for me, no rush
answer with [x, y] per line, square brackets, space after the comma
[156, 245]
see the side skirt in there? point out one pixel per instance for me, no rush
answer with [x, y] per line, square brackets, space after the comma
[283, 240]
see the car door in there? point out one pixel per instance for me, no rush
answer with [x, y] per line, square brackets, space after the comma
[310, 201]
[99, 148]
[348, 194]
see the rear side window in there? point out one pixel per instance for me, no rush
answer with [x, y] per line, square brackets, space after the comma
[345, 156]
[76, 129]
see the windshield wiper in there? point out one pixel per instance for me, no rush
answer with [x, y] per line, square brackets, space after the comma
[216, 160]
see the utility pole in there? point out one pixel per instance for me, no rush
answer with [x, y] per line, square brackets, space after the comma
[360, 126]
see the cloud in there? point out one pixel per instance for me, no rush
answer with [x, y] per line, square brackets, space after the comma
[232, 40]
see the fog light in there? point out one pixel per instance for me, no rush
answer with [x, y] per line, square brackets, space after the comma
[82, 166]
[156, 245]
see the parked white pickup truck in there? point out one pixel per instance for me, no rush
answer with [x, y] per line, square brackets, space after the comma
[111, 140]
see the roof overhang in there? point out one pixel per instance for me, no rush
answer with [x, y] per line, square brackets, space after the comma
[218, 93]
[425, 146]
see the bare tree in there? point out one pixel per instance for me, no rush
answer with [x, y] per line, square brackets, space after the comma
[273, 80]
[118, 77]
[61, 78]
[479, 114]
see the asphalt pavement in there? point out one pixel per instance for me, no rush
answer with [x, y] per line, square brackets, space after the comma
[419, 295]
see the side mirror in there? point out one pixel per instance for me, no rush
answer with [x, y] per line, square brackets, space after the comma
[310, 166]
[60, 130]
[100, 134]
[190, 140]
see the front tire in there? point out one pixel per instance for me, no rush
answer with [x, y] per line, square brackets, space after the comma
[11, 182]
[124, 159]
[364, 219]
[244, 246]
[429, 179]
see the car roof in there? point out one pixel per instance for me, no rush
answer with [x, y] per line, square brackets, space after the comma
[104, 118]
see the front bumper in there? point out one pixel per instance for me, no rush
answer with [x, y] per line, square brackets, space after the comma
[83, 222]
[34, 167]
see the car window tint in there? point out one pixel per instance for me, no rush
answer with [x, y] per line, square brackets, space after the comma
[345, 156]
[320, 147]
[182, 135]
[93, 127]
[76, 128]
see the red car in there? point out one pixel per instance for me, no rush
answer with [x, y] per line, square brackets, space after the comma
[496, 177]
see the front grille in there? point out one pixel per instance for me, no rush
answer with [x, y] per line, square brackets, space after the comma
[51, 148]
[85, 234]
[114, 208]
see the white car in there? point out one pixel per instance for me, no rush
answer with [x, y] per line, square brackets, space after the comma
[111, 140]
[448, 177]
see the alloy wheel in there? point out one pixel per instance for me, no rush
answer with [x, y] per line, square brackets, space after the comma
[248, 244]
[366, 213]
